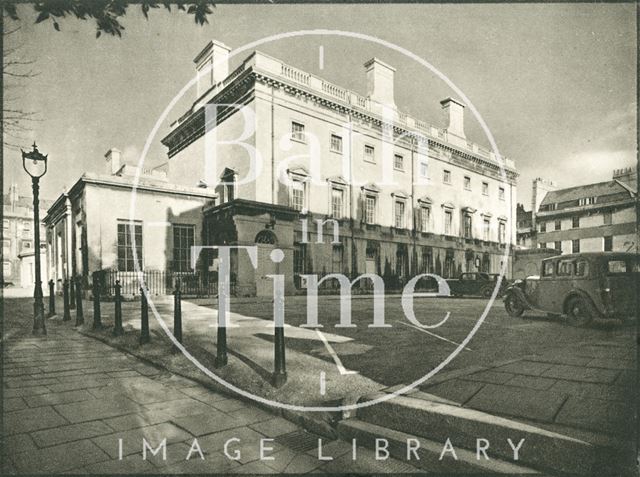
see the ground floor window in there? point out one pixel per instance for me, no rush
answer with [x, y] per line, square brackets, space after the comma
[337, 258]
[425, 215]
[126, 261]
[558, 246]
[486, 263]
[502, 232]
[427, 260]
[448, 222]
[300, 258]
[575, 246]
[608, 244]
[371, 254]
[183, 241]
[402, 257]
[449, 265]
[399, 214]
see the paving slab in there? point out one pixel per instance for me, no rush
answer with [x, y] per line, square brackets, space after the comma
[181, 407]
[274, 427]
[212, 421]
[91, 410]
[605, 392]
[58, 398]
[250, 415]
[612, 363]
[532, 368]
[532, 382]
[457, 390]
[13, 404]
[576, 373]
[17, 443]
[59, 458]
[32, 419]
[598, 415]
[493, 377]
[228, 404]
[133, 464]
[508, 400]
[17, 392]
[73, 432]
[142, 418]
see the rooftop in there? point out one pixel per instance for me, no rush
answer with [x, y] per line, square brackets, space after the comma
[597, 189]
[264, 64]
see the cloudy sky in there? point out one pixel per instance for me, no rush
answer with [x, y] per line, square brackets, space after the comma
[555, 83]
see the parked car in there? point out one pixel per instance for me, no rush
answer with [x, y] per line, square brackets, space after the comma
[476, 283]
[582, 286]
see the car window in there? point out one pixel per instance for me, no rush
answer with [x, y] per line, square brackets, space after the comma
[582, 268]
[469, 276]
[617, 266]
[565, 268]
[547, 269]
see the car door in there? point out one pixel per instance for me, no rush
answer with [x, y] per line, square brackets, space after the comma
[539, 295]
[467, 281]
[564, 283]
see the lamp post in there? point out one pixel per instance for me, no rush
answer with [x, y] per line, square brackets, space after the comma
[35, 164]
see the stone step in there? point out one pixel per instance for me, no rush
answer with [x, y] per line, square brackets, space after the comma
[541, 449]
[428, 452]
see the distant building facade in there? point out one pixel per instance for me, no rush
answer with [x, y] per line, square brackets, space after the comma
[525, 231]
[406, 197]
[18, 244]
[590, 218]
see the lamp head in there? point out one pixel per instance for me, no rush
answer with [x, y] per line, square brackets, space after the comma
[34, 162]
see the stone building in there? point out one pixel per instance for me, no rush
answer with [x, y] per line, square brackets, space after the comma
[90, 227]
[590, 218]
[403, 197]
[18, 247]
[525, 231]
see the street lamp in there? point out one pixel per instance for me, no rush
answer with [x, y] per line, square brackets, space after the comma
[35, 164]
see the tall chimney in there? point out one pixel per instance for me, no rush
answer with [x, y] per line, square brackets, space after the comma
[454, 114]
[212, 65]
[114, 160]
[380, 82]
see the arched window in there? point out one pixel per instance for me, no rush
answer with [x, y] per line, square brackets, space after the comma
[266, 237]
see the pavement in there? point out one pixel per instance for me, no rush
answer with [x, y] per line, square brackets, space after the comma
[68, 399]
[586, 389]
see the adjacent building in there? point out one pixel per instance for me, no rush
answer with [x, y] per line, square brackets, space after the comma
[93, 226]
[597, 217]
[403, 197]
[18, 243]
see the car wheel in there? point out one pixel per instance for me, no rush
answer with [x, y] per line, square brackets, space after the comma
[486, 292]
[579, 312]
[513, 306]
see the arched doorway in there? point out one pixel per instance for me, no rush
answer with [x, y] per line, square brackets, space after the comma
[266, 240]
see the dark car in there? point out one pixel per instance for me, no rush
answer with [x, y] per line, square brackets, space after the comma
[476, 283]
[581, 286]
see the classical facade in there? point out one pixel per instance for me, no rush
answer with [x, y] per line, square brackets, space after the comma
[590, 218]
[395, 195]
[91, 226]
[18, 247]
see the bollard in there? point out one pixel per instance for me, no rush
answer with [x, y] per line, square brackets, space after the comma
[52, 298]
[117, 324]
[279, 372]
[97, 319]
[79, 311]
[65, 295]
[177, 314]
[72, 294]
[144, 316]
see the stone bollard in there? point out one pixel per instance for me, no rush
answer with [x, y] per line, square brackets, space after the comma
[177, 314]
[79, 310]
[117, 323]
[52, 298]
[144, 317]
[65, 295]
[97, 319]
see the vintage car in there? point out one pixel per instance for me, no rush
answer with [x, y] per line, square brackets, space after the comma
[476, 283]
[581, 286]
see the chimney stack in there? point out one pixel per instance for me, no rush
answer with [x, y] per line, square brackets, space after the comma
[380, 82]
[212, 65]
[114, 160]
[454, 114]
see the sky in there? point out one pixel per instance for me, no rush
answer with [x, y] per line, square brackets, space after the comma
[555, 83]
